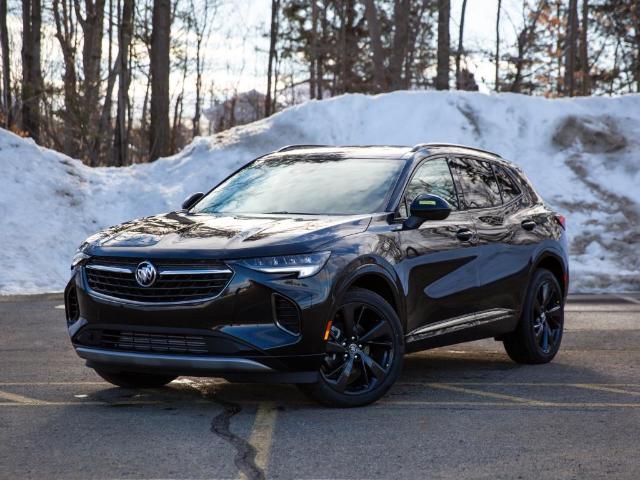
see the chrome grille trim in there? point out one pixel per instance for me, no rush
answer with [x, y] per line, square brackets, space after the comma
[210, 271]
[114, 282]
[108, 268]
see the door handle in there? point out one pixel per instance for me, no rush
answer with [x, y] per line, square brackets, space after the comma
[528, 224]
[464, 234]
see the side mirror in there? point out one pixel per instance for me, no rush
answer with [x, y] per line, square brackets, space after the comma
[192, 200]
[426, 207]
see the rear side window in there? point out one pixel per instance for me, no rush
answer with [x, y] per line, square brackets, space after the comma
[507, 186]
[432, 177]
[479, 186]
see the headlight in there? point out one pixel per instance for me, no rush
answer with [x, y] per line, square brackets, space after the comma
[304, 265]
[78, 258]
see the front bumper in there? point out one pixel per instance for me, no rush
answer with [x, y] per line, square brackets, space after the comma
[238, 337]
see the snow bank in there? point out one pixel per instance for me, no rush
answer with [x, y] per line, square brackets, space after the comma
[583, 155]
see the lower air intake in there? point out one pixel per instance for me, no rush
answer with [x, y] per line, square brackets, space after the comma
[286, 314]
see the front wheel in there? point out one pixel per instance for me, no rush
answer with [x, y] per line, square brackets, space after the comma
[539, 333]
[364, 353]
[135, 380]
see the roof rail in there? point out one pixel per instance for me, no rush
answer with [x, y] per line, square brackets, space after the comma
[420, 146]
[295, 147]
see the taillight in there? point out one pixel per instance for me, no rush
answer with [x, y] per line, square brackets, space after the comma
[562, 221]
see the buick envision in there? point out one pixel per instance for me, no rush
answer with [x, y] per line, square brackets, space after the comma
[322, 266]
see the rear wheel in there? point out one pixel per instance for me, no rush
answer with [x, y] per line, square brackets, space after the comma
[134, 379]
[539, 333]
[364, 354]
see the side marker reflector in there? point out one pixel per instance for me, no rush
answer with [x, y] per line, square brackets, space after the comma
[328, 330]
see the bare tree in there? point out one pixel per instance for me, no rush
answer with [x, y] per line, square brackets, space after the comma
[66, 35]
[584, 50]
[273, 35]
[31, 67]
[497, 55]
[92, 23]
[201, 26]
[160, 45]
[375, 36]
[442, 75]
[313, 49]
[121, 133]
[526, 37]
[6, 65]
[571, 49]
[400, 43]
[460, 48]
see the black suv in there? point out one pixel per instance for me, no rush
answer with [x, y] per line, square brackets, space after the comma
[323, 266]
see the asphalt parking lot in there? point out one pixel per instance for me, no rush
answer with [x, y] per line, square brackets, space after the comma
[464, 411]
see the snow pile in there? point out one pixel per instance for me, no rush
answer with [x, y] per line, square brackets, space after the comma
[583, 156]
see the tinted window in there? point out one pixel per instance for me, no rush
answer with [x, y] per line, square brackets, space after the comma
[431, 177]
[479, 186]
[313, 185]
[507, 186]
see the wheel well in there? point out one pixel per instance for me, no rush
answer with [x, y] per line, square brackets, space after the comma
[377, 284]
[554, 266]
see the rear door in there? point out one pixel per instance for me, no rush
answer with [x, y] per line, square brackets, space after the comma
[437, 266]
[501, 266]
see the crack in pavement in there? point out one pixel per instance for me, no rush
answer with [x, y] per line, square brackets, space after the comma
[245, 458]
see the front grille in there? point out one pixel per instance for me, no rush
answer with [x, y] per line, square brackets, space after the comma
[286, 314]
[176, 281]
[151, 342]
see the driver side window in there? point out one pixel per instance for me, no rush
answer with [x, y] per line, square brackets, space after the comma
[432, 177]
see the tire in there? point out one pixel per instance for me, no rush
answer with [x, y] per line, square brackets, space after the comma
[542, 316]
[135, 380]
[363, 361]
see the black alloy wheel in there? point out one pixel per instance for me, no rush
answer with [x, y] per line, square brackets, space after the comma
[363, 353]
[547, 317]
[539, 332]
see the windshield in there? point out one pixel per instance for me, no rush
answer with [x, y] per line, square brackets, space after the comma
[294, 184]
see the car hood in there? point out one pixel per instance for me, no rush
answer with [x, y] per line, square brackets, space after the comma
[223, 236]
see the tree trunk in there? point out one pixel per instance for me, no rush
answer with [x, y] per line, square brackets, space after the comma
[6, 65]
[400, 43]
[442, 76]
[31, 69]
[313, 49]
[120, 137]
[571, 42]
[371, 13]
[349, 47]
[584, 50]
[275, 7]
[66, 38]
[160, 44]
[637, 39]
[460, 48]
[92, 28]
[322, 53]
[497, 56]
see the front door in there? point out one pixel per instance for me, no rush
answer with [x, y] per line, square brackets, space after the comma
[438, 267]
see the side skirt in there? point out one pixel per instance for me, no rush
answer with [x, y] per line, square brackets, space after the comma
[475, 326]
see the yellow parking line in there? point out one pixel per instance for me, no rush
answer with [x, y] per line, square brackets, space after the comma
[627, 298]
[534, 404]
[19, 398]
[517, 384]
[41, 403]
[262, 435]
[500, 396]
[593, 386]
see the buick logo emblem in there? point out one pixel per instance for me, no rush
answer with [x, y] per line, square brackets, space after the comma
[146, 274]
